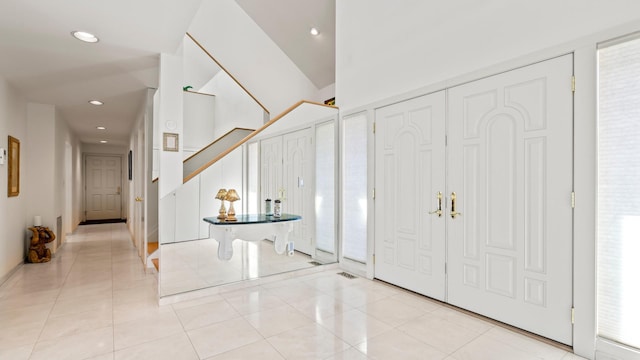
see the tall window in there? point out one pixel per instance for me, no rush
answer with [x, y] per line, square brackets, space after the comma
[354, 188]
[325, 187]
[618, 266]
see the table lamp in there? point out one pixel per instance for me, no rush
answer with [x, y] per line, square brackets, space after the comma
[222, 193]
[231, 196]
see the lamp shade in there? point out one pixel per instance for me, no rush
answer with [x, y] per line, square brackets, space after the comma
[232, 195]
[222, 193]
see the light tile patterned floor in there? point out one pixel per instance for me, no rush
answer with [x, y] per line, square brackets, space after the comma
[95, 301]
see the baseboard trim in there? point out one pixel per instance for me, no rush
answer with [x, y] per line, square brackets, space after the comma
[6, 277]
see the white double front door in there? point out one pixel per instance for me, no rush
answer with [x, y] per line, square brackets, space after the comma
[474, 196]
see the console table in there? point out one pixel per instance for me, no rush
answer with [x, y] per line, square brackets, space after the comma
[252, 227]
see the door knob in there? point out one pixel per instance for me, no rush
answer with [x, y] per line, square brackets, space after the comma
[454, 213]
[439, 210]
[138, 199]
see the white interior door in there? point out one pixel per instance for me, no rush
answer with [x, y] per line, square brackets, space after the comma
[298, 185]
[104, 187]
[139, 178]
[270, 169]
[410, 172]
[510, 165]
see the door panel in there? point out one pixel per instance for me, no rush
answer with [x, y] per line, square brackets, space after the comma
[510, 165]
[271, 168]
[297, 185]
[286, 174]
[103, 194]
[410, 171]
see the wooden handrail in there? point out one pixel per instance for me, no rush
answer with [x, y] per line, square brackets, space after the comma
[198, 92]
[228, 73]
[256, 132]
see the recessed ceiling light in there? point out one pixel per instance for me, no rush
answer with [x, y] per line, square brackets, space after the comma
[101, 128]
[103, 141]
[314, 31]
[95, 102]
[85, 36]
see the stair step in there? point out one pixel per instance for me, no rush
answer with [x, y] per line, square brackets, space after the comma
[151, 247]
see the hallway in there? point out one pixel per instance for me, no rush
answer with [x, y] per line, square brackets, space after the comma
[95, 301]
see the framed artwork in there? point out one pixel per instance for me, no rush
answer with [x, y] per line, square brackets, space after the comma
[170, 142]
[130, 165]
[13, 188]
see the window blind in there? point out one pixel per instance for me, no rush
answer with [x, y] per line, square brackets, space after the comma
[618, 233]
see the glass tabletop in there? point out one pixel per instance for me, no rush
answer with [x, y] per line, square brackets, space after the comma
[253, 219]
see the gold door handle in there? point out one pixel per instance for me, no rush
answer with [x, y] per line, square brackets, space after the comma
[454, 213]
[138, 199]
[439, 210]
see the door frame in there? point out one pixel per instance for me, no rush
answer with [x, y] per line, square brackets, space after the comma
[585, 167]
[123, 191]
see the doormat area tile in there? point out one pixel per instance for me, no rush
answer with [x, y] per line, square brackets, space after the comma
[105, 221]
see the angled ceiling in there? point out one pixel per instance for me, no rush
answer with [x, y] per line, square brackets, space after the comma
[288, 22]
[40, 58]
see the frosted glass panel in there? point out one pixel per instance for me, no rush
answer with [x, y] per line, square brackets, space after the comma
[354, 188]
[618, 264]
[325, 187]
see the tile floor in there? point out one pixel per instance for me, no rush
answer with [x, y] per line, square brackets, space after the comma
[193, 265]
[94, 300]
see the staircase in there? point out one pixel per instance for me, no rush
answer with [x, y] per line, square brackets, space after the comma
[152, 254]
[204, 158]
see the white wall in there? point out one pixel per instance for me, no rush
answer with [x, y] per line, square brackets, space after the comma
[393, 48]
[63, 136]
[198, 120]
[234, 108]
[43, 136]
[239, 44]
[44, 177]
[41, 175]
[78, 195]
[13, 222]
[168, 116]
[326, 93]
[170, 120]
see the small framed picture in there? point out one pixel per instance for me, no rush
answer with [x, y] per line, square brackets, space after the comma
[170, 142]
[14, 167]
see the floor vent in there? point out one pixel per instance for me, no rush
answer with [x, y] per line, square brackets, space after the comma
[314, 263]
[347, 275]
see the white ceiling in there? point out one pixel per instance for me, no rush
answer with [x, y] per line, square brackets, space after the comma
[288, 22]
[40, 58]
